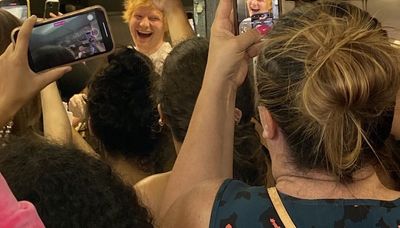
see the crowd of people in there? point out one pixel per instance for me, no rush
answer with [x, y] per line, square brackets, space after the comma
[181, 132]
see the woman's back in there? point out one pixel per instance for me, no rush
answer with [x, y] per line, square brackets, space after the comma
[240, 205]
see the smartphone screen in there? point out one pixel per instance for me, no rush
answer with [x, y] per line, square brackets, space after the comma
[69, 39]
[19, 9]
[251, 13]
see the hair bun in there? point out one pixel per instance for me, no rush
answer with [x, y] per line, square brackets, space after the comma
[346, 71]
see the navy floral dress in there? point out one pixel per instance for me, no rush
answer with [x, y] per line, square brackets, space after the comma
[238, 205]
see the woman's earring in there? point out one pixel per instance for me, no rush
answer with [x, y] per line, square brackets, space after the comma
[160, 122]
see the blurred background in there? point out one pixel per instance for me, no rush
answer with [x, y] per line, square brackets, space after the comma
[200, 12]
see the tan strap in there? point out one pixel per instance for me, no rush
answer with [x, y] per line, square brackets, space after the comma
[280, 208]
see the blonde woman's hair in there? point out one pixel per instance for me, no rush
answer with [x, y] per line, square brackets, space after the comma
[329, 76]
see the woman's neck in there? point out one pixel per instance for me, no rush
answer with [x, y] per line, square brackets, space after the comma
[177, 145]
[127, 169]
[320, 185]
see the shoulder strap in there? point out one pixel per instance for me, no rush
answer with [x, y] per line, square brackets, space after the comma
[280, 208]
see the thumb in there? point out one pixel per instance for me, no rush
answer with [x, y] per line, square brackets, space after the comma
[245, 40]
[44, 79]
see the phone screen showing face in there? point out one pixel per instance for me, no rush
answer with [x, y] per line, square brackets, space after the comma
[69, 39]
[252, 13]
[17, 8]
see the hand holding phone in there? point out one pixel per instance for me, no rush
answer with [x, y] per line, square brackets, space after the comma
[69, 39]
[22, 83]
[51, 7]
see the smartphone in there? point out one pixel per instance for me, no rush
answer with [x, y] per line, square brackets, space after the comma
[51, 6]
[251, 13]
[262, 19]
[20, 9]
[72, 38]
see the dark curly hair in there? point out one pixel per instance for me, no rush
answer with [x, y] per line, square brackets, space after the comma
[177, 91]
[68, 187]
[122, 114]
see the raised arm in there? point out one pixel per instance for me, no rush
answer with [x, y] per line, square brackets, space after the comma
[178, 24]
[206, 153]
[56, 125]
[18, 83]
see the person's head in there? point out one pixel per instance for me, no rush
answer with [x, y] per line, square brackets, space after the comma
[146, 24]
[258, 6]
[74, 81]
[328, 77]
[8, 22]
[178, 89]
[299, 2]
[180, 84]
[68, 187]
[121, 113]
[49, 56]
[28, 117]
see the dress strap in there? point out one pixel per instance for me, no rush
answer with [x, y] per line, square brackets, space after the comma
[280, 208]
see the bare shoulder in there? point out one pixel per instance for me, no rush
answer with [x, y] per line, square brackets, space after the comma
[153, 181]
[150, 191]
[194, 208]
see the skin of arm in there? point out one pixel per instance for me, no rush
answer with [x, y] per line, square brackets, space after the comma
[56, 125]
[81, 144]
[206, 153]
[178, 25]
[194, 208]
[18, 83]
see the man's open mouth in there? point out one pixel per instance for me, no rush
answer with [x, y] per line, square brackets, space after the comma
[144, 34]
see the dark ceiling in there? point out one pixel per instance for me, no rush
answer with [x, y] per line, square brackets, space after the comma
[37, 6]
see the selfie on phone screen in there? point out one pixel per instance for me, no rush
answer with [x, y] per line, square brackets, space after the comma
[252, 13]
[69, 39]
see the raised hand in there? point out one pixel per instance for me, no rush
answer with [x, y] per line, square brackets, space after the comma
[229, 54]
[18, 83]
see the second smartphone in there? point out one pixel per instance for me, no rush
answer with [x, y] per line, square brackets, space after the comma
[51, 6]
[69, 39]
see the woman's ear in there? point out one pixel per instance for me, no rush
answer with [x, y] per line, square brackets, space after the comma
[268, 123]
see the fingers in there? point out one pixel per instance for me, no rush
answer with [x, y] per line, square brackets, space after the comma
[224, 10]
[48, 77]
[52, 15]
[237, 115]
[9, 49]
[253, 36]
[254, 50]
[21, 46]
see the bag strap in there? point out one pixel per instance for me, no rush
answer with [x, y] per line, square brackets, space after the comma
[280, 208]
